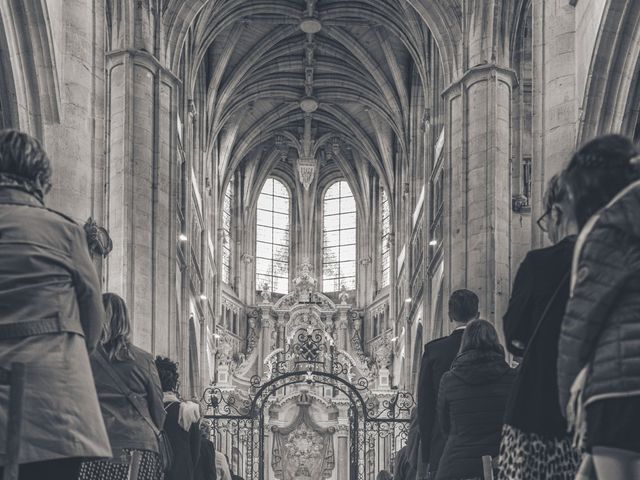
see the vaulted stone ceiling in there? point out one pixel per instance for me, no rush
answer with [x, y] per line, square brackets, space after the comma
[327, 79]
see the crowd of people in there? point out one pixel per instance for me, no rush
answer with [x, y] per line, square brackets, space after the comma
[570, 409]
[95, 406]
[98, 407]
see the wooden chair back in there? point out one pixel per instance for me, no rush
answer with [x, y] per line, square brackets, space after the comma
[488, 465]
[15, 379]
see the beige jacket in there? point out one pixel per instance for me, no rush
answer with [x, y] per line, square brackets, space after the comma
[51, 316]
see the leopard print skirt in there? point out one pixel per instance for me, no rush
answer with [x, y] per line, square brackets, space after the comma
[527, 456]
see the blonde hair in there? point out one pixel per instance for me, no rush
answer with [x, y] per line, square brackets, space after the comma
[116, 331]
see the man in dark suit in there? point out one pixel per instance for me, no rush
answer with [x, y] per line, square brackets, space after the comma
[436, 361]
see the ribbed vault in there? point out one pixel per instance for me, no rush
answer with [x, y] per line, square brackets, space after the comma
[301, 79]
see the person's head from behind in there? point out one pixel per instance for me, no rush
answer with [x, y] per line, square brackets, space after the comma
[558, 220]
[168, 373]
[598, 171]
[480, 335]
[205, 429]
[384, 475]
[463, 306]
[24, 162]
[116, 331]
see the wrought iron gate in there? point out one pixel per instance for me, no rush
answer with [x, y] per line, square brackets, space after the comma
[377, 422]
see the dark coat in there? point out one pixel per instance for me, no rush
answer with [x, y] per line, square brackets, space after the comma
[403, 469]
[436, 360]
[542, 278]
[206, 468]
[537, 279]
[602, 322]
[471, 403]
[185, 444]
[51, 315]
[125, 426]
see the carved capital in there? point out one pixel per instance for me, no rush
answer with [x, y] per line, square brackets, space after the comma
[98, 239]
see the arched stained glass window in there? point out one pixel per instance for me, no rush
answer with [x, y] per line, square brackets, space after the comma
[385, 251]
[339, 238]
[226, 238]
[272, 237]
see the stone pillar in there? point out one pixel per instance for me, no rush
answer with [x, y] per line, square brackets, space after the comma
[266, 331]
[555, 118]
[142, 105]
[477, 176]
[71, 83]
[343, 453]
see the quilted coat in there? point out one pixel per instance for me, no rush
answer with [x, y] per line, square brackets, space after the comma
[471, 404]
[601, 326]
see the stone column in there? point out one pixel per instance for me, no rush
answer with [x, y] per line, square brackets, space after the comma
[142, 104]
[343, 453]
[555, 118]
[477, 177]
[266, 331]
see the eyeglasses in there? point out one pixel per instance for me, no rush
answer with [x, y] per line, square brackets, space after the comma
[542, 224]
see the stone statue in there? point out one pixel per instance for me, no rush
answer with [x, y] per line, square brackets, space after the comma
[305, 283]
[266, 293]
[344, 295]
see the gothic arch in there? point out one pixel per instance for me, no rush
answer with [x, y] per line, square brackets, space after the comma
[444, 19]
[29, 59]
[612, 91]
[8, 100]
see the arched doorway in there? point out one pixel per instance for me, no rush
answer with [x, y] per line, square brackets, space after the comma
[612, 93]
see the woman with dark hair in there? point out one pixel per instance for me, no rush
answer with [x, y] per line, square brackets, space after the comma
[51, 318]
[123, 374]
[182, 423]
[535, 443]
[599, 347]
[471, 402]
[384, 475]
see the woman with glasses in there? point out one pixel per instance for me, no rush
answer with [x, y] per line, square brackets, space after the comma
[534, 440]
[600, 339]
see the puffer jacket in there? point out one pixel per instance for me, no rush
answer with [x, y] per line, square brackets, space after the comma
[471, 404]
[602, 320]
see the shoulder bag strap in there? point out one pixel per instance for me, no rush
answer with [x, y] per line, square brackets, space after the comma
[120, 385]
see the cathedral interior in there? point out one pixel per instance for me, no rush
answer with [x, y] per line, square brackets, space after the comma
[299, 185]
